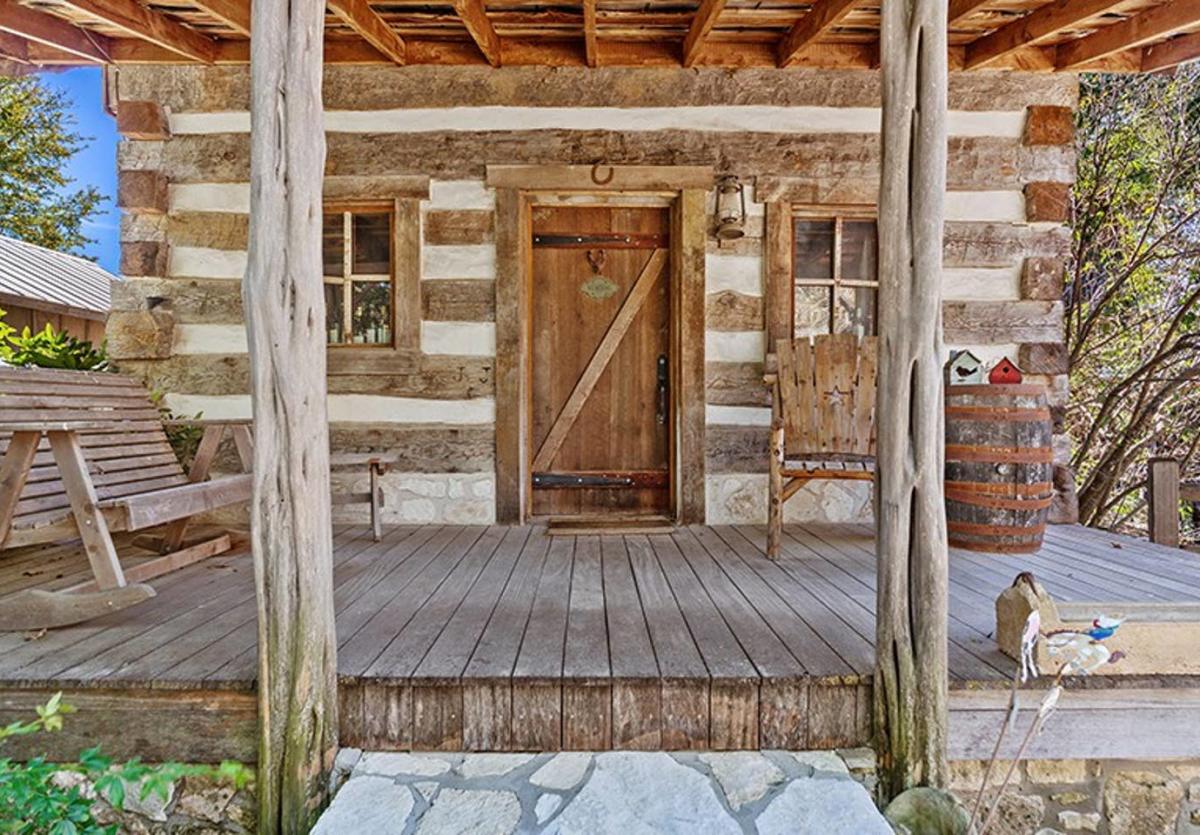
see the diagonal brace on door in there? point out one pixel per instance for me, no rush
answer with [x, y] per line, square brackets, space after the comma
[600, 359]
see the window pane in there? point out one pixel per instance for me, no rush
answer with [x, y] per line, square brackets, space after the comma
[372, 244]
[813, 249]
[854, 310]
[372, 312]
[859, 249]
[812, 310]
[331, 244]
[334, 308]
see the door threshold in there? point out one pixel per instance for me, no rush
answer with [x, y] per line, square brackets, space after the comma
[595, 525]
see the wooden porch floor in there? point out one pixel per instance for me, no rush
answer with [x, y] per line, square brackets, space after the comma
[495, 638]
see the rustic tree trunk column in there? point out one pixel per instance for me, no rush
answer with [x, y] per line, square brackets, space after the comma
[285, 323]
[910, 668]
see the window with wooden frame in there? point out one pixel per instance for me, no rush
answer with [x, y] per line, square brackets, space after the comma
[359, 256]
[834, 270]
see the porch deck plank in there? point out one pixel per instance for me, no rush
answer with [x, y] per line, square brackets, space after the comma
[804, 643]
[496, 653]
[972, 654]
[675, 649]
[542, 640]
[585, 654]
[387, 606]
[351, 579]
[186, 636]
[630, 646]
[237, 644]
[448, 657]
[855, 650]
[494, 638]
[406, 650]
[768, 653]
[723, 655]
[1105, 549]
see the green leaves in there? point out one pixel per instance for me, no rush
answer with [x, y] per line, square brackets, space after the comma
[36, 202]
[48, 348]
[39, 797]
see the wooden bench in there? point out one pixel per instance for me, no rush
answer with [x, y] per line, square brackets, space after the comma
[86, 454]
[376, 466]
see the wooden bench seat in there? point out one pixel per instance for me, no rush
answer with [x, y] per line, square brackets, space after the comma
[85, 454]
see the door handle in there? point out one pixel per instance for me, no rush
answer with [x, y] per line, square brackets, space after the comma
[663, 377]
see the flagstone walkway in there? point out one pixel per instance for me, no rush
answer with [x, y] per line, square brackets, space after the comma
[800, 793]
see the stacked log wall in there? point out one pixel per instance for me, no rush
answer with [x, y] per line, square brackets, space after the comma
[805, 135]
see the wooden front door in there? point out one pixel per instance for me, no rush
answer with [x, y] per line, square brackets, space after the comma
[600, 424]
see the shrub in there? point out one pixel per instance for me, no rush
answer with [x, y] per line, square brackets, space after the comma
[35, 798]
[49, 348]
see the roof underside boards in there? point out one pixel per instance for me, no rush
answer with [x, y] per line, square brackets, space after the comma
[46, 280]
[1061, 35]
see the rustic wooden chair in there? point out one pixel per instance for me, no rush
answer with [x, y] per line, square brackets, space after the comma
[85, 455]
[823, 417]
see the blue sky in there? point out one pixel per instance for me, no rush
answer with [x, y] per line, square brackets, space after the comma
[96, 163]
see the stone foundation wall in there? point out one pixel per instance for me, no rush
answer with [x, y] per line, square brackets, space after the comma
[1109, 797]
[193, 805]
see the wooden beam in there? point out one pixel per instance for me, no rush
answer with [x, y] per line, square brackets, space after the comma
[291, 529]
[961, 9]
[359, 16]
[55, 32]
[474, 17]
[1163, 499]
[1139, 30]
[13, 48]
[1033, 29]
[1172, 53]
[824, 15]
[233, 13]
[702, 24]
[591, 44]
[153, 27]
[910, 683]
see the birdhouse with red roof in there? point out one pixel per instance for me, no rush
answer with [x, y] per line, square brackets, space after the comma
[1004, 372]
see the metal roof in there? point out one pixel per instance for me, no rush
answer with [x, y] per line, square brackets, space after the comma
[43, 279]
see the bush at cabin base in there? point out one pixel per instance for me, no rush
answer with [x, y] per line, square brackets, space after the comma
[96, 797]
[49, 348]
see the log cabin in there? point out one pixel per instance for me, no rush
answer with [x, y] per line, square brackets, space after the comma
[536, 257]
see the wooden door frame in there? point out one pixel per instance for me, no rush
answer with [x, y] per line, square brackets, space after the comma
[682, 190]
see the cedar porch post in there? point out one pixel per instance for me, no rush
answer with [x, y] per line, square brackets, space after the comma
[910, 666]
[285, 324]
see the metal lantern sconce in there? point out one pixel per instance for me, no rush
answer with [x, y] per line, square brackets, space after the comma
[731, 209]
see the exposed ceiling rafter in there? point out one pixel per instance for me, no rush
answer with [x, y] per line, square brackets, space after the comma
[1033, 28]
[364, 20]
[960, 9]
[824, 15]
[233, 13]
[474, 17]
[703, 23]
[591, 40]
[1139, 30]
[134, 18]
[13, 48]
[51, 31]
[1172, 53]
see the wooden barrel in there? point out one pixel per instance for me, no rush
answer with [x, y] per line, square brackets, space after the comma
[999, 467]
